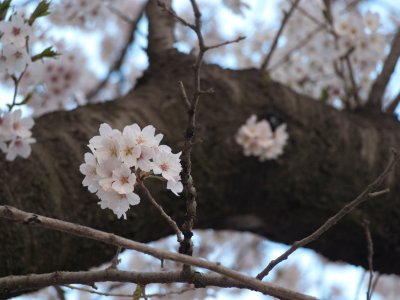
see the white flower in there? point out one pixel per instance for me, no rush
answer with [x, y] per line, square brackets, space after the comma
[175, 186]
[88, 169]
[124, 180]
[129, 150]
[143, 161]
[21, 126]
[110, 170]
[258, 139]
[16, 31]
[167, 164]
[254, 136]
[146, 136]
[106, 145]
[118, 203]
[3, 145]
[21, 147]
[279, 142]
[15, 59]
[6, 128]
[372, 21]
[105, 171]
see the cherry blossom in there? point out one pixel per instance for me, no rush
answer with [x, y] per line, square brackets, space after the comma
[15, 134]
[259, 139]
[16, 31]
[14, 59]
[19, 147]
[167, 164]
[124, 180]
[118, 160]
[89, 170]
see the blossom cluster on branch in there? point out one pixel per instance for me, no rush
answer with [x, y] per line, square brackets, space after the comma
[330, 53]
[118, 160]
[259, 139]
[15, 134]
[16, 33]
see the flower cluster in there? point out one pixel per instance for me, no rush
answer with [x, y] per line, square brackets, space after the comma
[119, 159]
[338, 49]
[57, 84]
[14, 57]
[259, 139]
[15, 135]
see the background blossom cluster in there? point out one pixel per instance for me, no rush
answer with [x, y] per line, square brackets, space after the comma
[118, 160]
[340, 55]
[16, 33]
[15, 134]
[259, 139]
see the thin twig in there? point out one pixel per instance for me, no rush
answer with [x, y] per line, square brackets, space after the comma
[16, 283]
[375, 283]
[298, 46]
[359, 286]
[378, 88]
[60, 292]
[237, 40]
[370, 247]
[121, 57]
[354, 86]
[368, 193]
[179, 292]
[286, 17]
[115, 261]
[16, 81]
[393, 105]
[166, 217]
[189, 189]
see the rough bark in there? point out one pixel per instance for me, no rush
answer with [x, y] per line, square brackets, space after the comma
[331, 156]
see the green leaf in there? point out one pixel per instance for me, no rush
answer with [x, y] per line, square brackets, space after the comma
[26, 99]
[138, 292]
[266, 78]
[48, 52]
[40, 11]
[4, 6]
[324, 95]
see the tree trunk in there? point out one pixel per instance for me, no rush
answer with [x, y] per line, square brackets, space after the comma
[331, 156]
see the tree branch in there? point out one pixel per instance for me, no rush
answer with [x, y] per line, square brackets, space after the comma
[116, 66]
[26, 218]
[368, 193]
[378, 88]
[286, 17]
[37, 281]
[166, 217]
[370, 247]
[161, 30]
[393, 105]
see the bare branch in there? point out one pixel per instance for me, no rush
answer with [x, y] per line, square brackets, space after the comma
[177, 292]
[370, 247]
[375, 97]
[21, 282]
[116, 66]
[354, 87]
[35, 281]
[286, 17]
[368, 193]
[166, 217]
[237, 40]
[189, 189]
[393, 105]
[298, 46]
